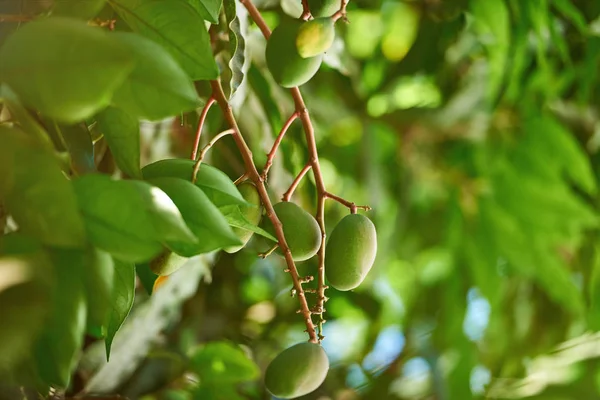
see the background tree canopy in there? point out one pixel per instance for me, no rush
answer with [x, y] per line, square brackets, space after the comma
[470, 127]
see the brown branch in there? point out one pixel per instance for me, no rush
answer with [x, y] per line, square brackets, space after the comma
[287, 195]
[309, 133]
[206, 148]
[341, 13]
[353, 207]
[276, 144]
[15, 18]
[253, 174]
[207, 106]
[305, 11]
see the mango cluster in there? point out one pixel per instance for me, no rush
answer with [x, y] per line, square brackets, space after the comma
[295, 49]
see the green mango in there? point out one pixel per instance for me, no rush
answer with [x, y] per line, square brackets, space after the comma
[350, 252]
[167, 263]
[296, 371]
[213, 182]
[252, 213]
[315, 37]
[323, 8]
[202, 217]
[286, 65]
[301, 230]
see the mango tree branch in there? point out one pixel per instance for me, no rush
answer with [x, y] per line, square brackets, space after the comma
[309, 133]
[287, 195]
[203, 114]
[206, 148]
[276, 144]
[254, 175]
[353, 207]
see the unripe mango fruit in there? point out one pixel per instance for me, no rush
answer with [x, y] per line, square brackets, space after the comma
[350, 252]
[323, 8]
[286, 65]
[252, 214]
[167, 263]
[296, 371]
[213, 182]
[315, 37]
[301, 230]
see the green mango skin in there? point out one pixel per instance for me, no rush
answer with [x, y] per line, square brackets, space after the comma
[315, 37]
[286, 65]
[323, 8]
[296, 371]
[300, 229]
[214, 182]
[167, 263]
[350, 252]
[202, 217]
[252, 214]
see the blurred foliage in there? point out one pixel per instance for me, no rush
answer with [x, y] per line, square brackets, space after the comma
[471, 127]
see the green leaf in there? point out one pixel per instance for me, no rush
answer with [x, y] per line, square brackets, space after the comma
[177, 27]
[25, 295]
[66, 82]
[234, 53]
[492, 23]
[157, 87]
[36, 193]
[216, 392]
[146, 276]
[85, 9]
[262, 90]
[572, 13]
[98, 279]
[202, 217]
[224, 363]
[208, 9]
[121, 301]
[236, 218]
[57, 350]
[129, 219]
[22, 117]
[78, 142]
[122, 134]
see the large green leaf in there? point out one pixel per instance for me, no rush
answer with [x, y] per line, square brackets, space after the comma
[25, 296]
[129, 219]
[175, 25]
[492, 23]
[77, 8]
[122, 134]
[121, 300]
[36, 193]
[202, 217]
[208, 9]
[57, 350]
[222, 362]
[63, 67]
[157, 87]
[236, 218]
[98, 279]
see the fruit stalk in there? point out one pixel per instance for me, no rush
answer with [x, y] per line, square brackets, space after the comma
[203, 115]
[276, 144]
[253, 174]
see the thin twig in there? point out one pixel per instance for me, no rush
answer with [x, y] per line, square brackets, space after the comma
[351, 205]
[206, 148]
[305, 11]
[276, 144]
[341, 13]
[15, 18]
[207, 106]
[287, 195]
[253, 174]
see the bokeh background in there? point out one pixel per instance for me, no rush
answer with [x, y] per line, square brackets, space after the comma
[472, 129]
